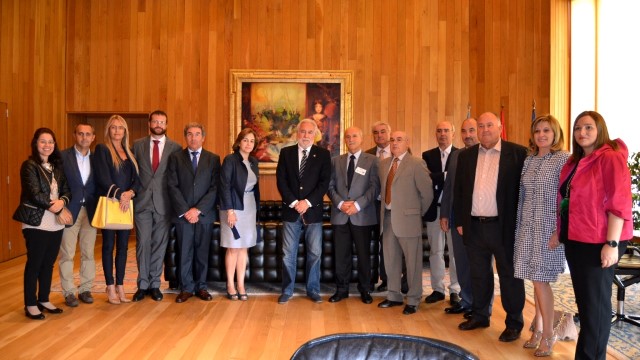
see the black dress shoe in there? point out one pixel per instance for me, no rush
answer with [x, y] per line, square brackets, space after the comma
[382, 287]
[139, 295]
[456, 309]
[204, 295]
[509, 335]
[473, 324]
[410, 309]
[434, 297]
[366, 298]
[32, 316]
[468, 314]
[156, 294]
[388, 303]
[454, 298]
[55, 310]
[338, 297]
[183, 296]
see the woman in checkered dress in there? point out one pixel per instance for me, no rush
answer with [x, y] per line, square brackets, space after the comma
[536, 228]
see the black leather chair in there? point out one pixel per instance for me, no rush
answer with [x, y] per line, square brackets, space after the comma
[627, 273]
[373, 346]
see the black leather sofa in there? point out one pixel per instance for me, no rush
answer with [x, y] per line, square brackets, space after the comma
[265, 259]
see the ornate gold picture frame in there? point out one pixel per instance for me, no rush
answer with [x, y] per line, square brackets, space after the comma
[273, 103]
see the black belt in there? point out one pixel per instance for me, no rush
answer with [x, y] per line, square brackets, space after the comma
[82, 203]
[484, 219]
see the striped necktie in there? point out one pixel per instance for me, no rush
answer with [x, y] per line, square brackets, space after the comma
[303, 163]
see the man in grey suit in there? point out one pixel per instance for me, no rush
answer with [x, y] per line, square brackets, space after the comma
[353, 189]
[405, 194]
[152, 206]
[193, 178]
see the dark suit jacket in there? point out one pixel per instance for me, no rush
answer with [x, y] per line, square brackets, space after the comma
[314, 185]
[79, 190]
[188, 189]
[432, 158]
[107, 174]
[511, 161]
[233, 181]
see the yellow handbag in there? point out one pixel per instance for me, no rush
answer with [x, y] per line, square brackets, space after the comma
[109, 216]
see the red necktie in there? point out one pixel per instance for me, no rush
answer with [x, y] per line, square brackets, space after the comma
[156, 156]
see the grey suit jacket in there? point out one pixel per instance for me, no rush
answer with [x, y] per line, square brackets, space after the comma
[365, 187]
[153, 193]
[411, 195]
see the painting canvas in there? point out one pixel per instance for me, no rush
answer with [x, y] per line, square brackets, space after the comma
[273, 107]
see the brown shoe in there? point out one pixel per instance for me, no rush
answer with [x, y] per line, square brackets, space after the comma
[183, 296]
[204, 295]
[112, 297]
[121, 295]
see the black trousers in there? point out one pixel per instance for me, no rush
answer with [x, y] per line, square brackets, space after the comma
[592, 286]
[119, 238]
[485, 240]
[42, 251]
[345, 237]
[193, 250]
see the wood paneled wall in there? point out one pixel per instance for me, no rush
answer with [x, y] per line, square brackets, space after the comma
[32, 79]
[416, 62]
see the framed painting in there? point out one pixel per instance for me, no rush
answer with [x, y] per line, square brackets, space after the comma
[272, 103]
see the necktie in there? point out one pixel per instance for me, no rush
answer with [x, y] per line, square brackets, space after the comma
[303, 163]
[350, 171]
[194, 160]
[387, 187]
[381, 154]
[155, 160]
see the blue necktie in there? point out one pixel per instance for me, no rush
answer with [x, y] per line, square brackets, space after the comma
[194, 160]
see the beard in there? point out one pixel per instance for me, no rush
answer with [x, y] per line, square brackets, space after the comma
[158, 131]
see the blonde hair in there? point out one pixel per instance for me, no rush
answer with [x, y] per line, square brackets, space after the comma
[558, 136]
[117, 162]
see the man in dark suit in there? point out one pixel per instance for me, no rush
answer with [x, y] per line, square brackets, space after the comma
[405, 195]
[78, 168]
[353, 189]
[193, 178]
[152, 205]
[485, 204]
[437, 160]
[468, 132]
[302, 176]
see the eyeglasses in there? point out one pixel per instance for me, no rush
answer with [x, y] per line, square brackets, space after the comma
[158, 122]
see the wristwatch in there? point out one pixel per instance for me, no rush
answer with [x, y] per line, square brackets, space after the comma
[612, 243]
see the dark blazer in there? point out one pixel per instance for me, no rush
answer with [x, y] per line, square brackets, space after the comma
[79, 190]
[372, 151]
[233, 181]
[314, 185]
[512, 158]
[199, 190]
[432, 158]
[107, 174]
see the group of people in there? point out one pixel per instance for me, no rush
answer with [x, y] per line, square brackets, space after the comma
[493, 201]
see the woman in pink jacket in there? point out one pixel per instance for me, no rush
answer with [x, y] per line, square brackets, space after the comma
[594, 203]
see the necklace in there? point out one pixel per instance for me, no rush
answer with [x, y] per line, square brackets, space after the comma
[564, 204]
[47, 166]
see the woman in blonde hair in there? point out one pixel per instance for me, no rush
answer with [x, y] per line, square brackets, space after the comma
[116, 166]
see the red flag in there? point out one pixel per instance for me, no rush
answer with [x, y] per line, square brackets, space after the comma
[503, 135]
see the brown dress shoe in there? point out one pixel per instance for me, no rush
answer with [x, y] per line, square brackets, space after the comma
[183, 296]
[204, 295]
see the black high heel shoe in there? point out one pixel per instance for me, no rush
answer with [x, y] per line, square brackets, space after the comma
[31, 316]
[55, 310]
[232, 296]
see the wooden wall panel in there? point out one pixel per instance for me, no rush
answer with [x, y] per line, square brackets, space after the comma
[32, 84]
[415, 61]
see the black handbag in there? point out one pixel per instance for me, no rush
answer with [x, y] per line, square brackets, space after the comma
[28, 214]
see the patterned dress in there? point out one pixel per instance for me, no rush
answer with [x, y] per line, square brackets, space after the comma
[532, 259]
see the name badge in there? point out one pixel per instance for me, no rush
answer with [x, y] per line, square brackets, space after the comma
[361, 171]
